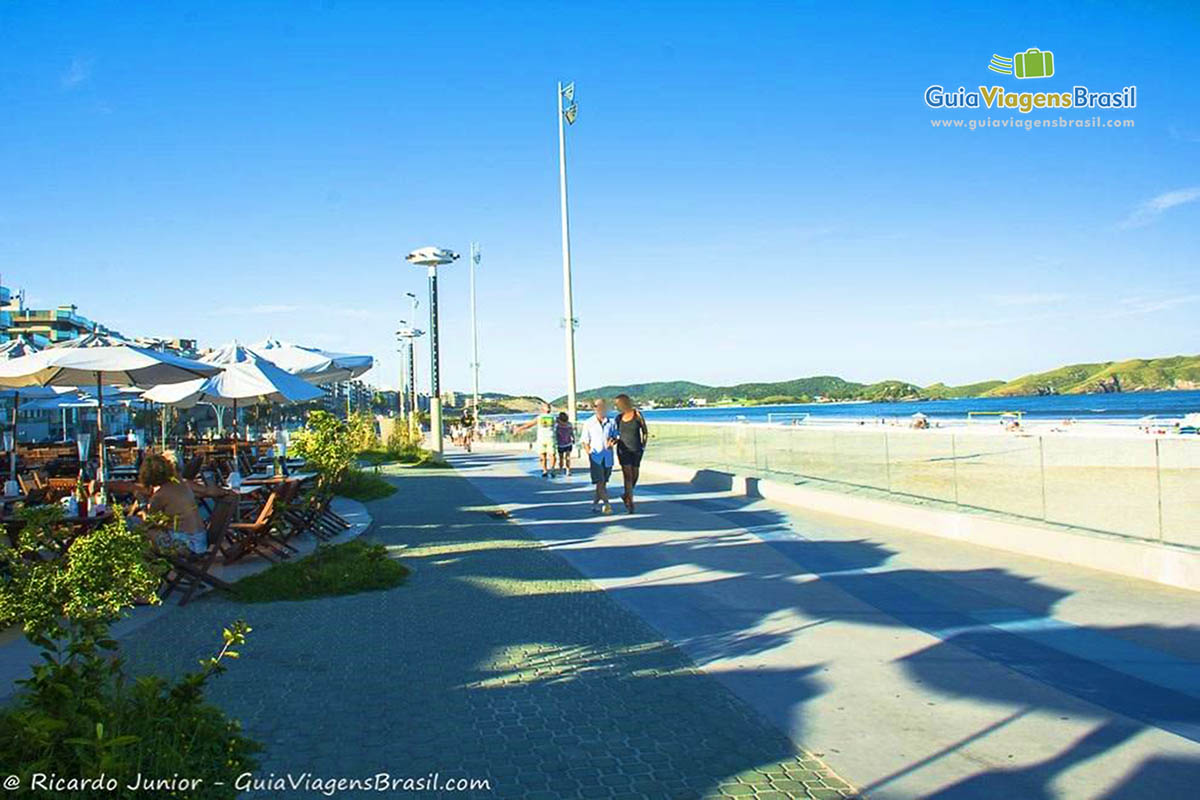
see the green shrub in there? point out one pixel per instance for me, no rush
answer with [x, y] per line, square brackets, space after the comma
[404, 446]
[325, 445]
[361, 432]
[108, 571]
[77, 715]
[349, 568]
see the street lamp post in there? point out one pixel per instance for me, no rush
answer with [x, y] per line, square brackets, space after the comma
[414, 424]
[408, 337]
[567, 115]
[402, 377]
[475, 258]
[431, 258]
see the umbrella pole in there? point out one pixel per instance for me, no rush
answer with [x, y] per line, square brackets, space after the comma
[235, 434]
[100, 430]
[12, 457]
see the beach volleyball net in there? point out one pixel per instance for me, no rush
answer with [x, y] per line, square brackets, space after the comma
[787, 419]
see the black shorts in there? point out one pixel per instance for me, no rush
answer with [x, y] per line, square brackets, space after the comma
[627, 457]
[600, 472]
[565, 451]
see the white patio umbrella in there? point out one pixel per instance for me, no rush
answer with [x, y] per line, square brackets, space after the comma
[96, 360]
[312, 364]
[15, 348]
[69, 397]
[246, 378]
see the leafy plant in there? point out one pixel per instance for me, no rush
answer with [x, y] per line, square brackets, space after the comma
[362, 432]
[70, 720]
[77, 714]
[349, 568]
[49, 594]
[325, 445]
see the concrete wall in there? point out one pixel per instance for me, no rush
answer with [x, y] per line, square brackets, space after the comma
[1152, 561]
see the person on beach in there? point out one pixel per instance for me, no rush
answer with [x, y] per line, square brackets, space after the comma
[564, 438]
[544, 422]
[632, 436]
[599, 436]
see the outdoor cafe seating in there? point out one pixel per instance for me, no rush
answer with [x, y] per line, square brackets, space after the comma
[261, 517]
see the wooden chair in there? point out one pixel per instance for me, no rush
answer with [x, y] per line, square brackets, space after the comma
[260, 536]
[325, 521]
[303, 512]
[189, 571]
[328, 516]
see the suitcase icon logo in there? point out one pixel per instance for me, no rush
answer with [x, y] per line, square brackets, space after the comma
[1033, 63]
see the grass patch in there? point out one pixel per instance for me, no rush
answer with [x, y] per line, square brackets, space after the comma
[363, 486]
[349, 568]
[408, 454]
[376, 457]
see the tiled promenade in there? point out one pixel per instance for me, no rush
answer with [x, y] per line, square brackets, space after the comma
[495, 661]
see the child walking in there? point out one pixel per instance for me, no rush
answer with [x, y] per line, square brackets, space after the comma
[564, 438]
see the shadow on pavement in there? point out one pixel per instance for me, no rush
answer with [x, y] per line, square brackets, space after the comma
[1005, 619]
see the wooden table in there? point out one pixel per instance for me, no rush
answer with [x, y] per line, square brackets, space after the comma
[264, 478]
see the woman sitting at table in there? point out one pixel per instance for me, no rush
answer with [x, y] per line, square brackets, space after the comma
[176, 499]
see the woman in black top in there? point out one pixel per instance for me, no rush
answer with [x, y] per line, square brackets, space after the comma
[632, 436]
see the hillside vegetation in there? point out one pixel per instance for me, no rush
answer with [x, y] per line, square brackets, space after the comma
[496, 403]
[1134, 375]
[1142, 374]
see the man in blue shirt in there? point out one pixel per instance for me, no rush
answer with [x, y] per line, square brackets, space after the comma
[599, 436]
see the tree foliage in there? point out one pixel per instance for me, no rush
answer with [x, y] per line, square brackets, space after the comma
[325, 444]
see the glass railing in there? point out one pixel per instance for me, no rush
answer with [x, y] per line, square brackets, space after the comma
[508, 436]
[1143, 487]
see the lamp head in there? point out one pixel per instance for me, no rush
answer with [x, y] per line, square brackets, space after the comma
[431, 257]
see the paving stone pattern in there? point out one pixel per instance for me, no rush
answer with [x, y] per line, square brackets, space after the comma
[496, 660]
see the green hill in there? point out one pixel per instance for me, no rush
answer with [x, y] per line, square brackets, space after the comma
[498, 403]
[1134, 375]
[1142, 374]
[940, 391]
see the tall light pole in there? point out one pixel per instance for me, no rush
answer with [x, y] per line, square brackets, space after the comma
[475, 257]
[402, 379]
[408, 337]
[431, 258]
[566, 116]
[414, 424]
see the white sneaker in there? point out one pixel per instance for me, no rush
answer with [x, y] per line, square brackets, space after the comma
[607, 509]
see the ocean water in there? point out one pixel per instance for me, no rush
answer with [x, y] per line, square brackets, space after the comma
[1099, 407]
[1096, 407]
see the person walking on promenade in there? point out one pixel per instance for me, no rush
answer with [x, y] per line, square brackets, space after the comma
[632, 436]
[545, 438]
[564, 438]
[599, 436]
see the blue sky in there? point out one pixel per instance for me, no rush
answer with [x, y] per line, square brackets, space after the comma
[757, 191]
